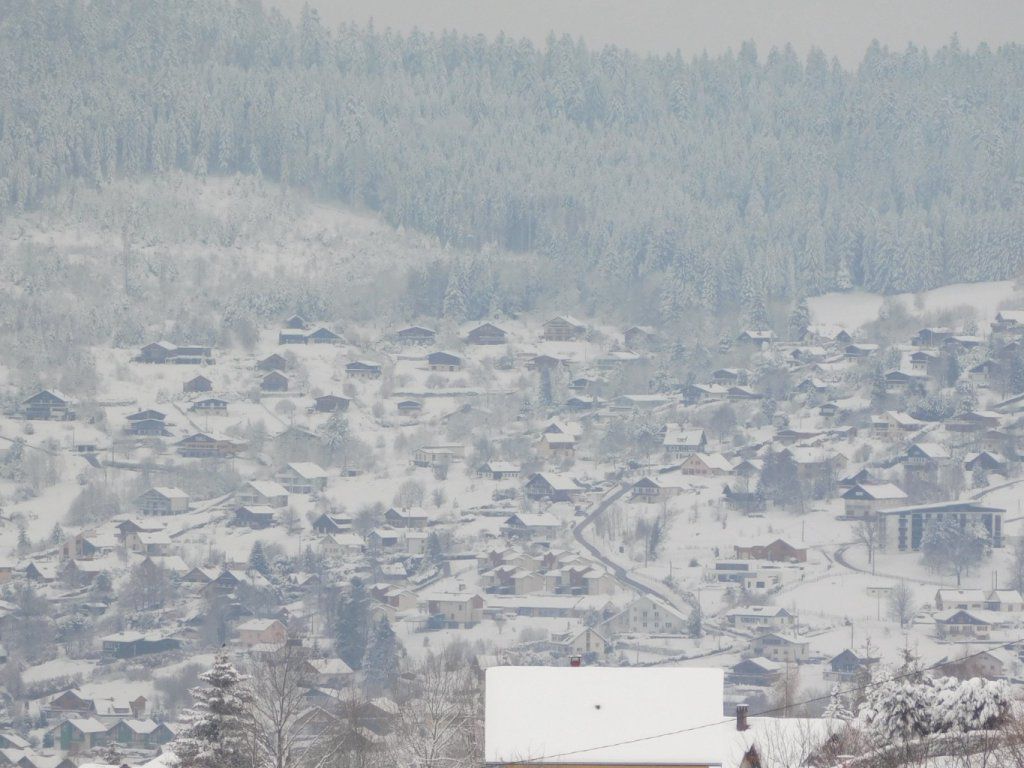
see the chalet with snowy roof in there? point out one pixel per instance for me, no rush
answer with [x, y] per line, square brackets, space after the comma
[639, 336]
[865, 500]
[903, 529]
[898, 381]
[760, 618]
[206, 445]
[197, 384]
[645, 615]
[329, 523]
[296, 323]
[924, 361]
[416, 335]
[524, 525]
[544, 362]
[156, 352]
[264, 493]
[486, 334]
[323, 335]
[729, 376]
[757, 671]
[274, 362]
[292, 336]
[974, 421]
[435, 455]
[257, 632]
[583, 384]
[756, 338]
[926, 455]
[962, 343]
[128, 645]
[812, 386]
[959, 624]
[981, 374]
[154, 543]
[303, 477]
[444, 361]
[848, 667]
[586, 643]
[161, 500]
[782, 647]
[894, 424]
[583, 403]
[557, 445]
[364, 369]
[143, 426]
[931, 337]
[275, 381]
[454, 610]
[254, 517]
[139, 734]
[1009, 321]
[76, 735]
[859, 351]
[412, 519]
[706, 465]
[986, 461]
[544, 485]
[564, 328]
[330, 404]
[704, 393]
[827, 333]
[210, 406]
[778, 551]
[567, 712]
[499, 470]
[48, 405]
[650, 491]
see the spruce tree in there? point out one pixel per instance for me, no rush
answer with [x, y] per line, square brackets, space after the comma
[258, 559]
[353, 625]
[215, 734]
[57, 535]
[382, 657]
[800, 320]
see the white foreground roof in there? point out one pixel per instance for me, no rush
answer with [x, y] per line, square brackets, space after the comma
[551, 715]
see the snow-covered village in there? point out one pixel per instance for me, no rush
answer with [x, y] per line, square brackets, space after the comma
[326, 443]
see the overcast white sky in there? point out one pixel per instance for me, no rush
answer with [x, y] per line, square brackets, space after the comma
[842, 28]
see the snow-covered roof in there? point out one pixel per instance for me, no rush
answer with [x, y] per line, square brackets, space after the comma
[267, 488]
[881, 491]
[603, 715]
[257, 625]
[307, 470]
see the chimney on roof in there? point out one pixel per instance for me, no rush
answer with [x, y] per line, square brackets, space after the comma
[575, 661]
[741, 717]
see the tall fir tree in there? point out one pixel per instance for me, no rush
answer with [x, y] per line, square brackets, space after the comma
[216, 727]
[352, 625]
[383, 654]
[258, 559]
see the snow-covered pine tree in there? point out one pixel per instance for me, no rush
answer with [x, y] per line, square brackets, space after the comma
[258, 559]
[382, 656]
[217, 724]
[352, 626]
[836, 709]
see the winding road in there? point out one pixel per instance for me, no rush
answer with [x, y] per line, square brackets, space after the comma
[614, 568]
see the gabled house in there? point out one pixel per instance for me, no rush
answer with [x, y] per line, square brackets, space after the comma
[263, 493]
[328, 523]
[639, 337]
[848, 667]
[543, 485]
[499, 470]
[364, 369]
[207, 445]
[323, 335]
[302, 477]
[210, 406]
[416, 334]
[650, 491]
[161, 500]
[140, 734]
[563, 328]
[274, 362]
[255, 517]
[781, 646]
[48, 405]
[76, 735]
[760, 618]
[444, 361]
[262, 632]
[197, 384]
[778, 551]
[683, 442]
[412, 519]
[275, 381]
[864, 500]
[706, 465]
[330, 404]
[486, 334]
[532, 525]
[645, 615]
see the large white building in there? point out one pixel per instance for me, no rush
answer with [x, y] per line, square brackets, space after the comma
[903, 529]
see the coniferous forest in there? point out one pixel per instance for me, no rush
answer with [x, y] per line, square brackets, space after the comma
[692, 183]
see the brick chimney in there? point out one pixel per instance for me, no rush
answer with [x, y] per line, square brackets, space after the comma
[741, 717]
[575, 661]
